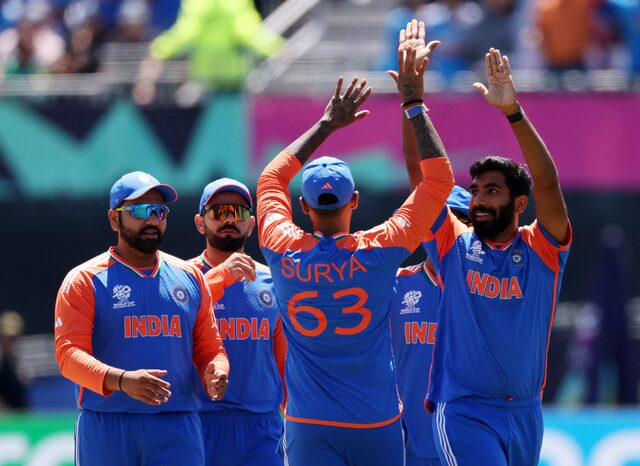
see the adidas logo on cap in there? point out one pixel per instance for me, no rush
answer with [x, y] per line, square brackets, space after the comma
[327, 185]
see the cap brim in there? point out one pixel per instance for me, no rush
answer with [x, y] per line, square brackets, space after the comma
[170, 195]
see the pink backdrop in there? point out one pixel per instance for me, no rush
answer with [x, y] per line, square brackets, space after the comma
[594, 139]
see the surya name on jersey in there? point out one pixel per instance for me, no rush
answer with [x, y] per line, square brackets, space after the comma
[331, 272]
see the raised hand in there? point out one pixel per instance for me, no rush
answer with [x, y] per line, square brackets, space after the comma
[502, 91]
[146, 385]
[410, 75]
[342, 110]
[241, 266]
[413, 36]
[215, 381]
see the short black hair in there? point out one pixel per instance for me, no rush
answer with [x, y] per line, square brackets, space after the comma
[516, 176]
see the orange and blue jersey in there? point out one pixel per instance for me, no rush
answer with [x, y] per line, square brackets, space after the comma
[111, 314]
[413, 315]
[496, 311]
[250, 327]
[334, 293]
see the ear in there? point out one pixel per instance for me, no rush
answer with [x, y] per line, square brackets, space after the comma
[521, 204]
[305, 207]
[199, 221]
[252, 225]
[355, 200]
[113, 219]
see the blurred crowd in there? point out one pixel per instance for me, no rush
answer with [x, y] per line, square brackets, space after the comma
[556, 35]
[66, 36]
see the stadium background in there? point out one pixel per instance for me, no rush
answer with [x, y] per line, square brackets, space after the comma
[64, 139]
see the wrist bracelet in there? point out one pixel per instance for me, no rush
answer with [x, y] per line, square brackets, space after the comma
[516, 116]
[120, 381]
[411, 102]
[415, 110]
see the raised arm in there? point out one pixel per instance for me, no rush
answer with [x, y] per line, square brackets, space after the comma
[274, 200]
[341, 111]
[413, 36]
[551, 210]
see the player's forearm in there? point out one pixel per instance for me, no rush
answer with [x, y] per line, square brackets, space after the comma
[535, 152]
[83, 369]
[410, 153]
[428, 141]
[303, 147]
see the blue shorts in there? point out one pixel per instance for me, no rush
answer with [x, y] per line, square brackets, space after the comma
[240, 438]
[315, 445]
[479, 431]
[124, 439]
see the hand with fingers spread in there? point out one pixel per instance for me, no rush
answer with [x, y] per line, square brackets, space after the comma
[146, 385]
[342, 110]
[410, 75]
[502, 91]
[215, 381]
[241, 266]
[413, 36]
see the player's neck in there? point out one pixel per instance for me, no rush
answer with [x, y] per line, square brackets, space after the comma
[138, 259]
[330, 227]
[216, 256]
[505, 235]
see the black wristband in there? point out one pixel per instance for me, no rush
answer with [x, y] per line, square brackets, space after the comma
[513, 118]
[120, 380]
[411, 102]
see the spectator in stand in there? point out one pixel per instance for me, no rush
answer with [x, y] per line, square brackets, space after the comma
[565, 27]
[449, 21]
[624, 16]
[33, 45]
[496, 28]
[12, 390]
[134, 21]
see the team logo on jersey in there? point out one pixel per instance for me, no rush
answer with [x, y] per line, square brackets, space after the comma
[410, 300]
[266, 298]
[180, 295]
[272, 217]
[475, 251]
[122, 294]
[404, 223]
[517, 257]
[218, 307]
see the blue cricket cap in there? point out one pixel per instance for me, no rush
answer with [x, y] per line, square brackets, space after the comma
[223, 185]
[459, 200]
[327, 175]
[135, 184]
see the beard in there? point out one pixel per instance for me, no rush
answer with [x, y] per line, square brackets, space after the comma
[502, 218]
[134, 239]
[226, 243]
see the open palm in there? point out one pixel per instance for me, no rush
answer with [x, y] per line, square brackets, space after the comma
[414, 37]
[501, 92]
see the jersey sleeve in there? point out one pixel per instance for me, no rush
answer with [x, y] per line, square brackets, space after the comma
[410, 224]
[280, 354]
[552, 253]
[74, 318]
[442, 236]
[276, 230]
[218, 278]
[207, 344]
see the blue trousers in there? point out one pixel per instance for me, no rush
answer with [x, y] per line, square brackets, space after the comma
[240, 438]
[478, 432]
[316, 445]
[122, 439]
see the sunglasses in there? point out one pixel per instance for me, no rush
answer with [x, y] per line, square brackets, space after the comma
[222, 211]
[144, 211]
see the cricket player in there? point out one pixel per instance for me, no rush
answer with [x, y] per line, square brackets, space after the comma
[334, 288]
[245, 427]
[130, 325]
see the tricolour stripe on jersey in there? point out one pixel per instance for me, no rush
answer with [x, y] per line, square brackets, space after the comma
[203, 259]
[430, 276]
[442, 435]
[156, 269]
[350, 425]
